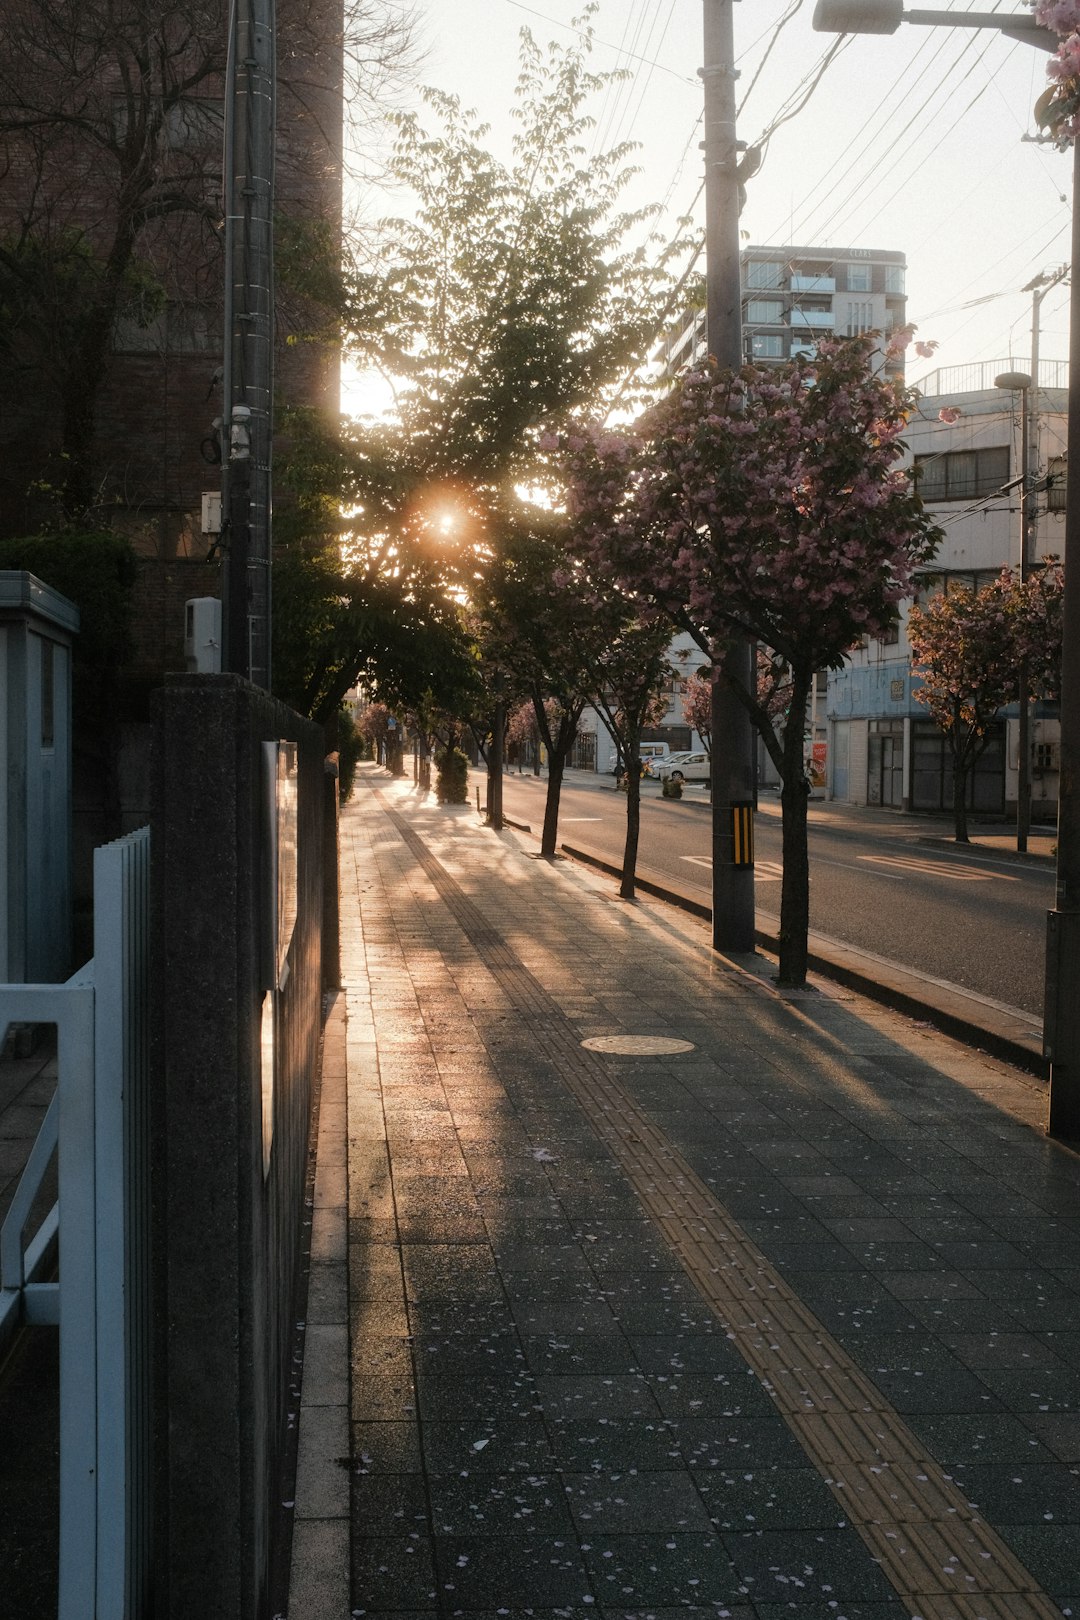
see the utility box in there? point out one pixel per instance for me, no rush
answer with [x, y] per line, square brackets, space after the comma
[37, 630]
[202, 635]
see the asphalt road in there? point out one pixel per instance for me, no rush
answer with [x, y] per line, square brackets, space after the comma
[974, 920]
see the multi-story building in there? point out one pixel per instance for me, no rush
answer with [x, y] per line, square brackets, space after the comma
[794, 296]
[112, 157]
[883, 747]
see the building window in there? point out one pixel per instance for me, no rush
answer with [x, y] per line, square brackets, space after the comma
[767, 347]
[927, 586]
[962, 475]
[894, 278]
[1055, 483]
[764, 310]
[764, 274]
[858, 278]
[860, 317]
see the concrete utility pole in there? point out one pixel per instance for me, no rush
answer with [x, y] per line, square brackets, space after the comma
[732, 753]
[1061, 1022]
[248, 371]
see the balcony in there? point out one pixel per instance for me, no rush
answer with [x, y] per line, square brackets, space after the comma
[813, 284]
[819, 320]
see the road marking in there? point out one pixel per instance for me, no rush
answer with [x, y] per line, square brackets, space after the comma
[581, 818]
[959, 874]
[764, 871]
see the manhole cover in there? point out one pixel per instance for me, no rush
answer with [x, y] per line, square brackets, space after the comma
[636, 1045]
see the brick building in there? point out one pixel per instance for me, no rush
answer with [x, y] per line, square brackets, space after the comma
[141, 166]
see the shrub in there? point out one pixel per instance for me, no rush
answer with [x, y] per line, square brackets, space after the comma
[350, 748]
[451, 777]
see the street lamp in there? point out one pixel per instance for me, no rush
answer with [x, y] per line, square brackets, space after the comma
[885, 17]
[1061, 1019]
[1018, 382]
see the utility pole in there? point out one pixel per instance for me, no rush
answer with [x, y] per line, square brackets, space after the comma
[1061, 1022]
[248, 368]
[732, 753]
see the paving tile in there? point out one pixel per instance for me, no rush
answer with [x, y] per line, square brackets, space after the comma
[1031, 1494]
[389, 1504]
[450, 1271]
[510, 1571]
[616, 1502]
[390, 1446]
[499, 1504]
[682, 1567]
[818, 1565]
[393, 1572]
[492, 1442]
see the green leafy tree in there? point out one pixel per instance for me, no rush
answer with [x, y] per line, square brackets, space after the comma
[508, 294]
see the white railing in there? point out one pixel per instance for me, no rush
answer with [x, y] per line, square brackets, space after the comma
[97, 1126]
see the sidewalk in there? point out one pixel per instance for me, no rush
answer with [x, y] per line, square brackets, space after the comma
[666, 1294]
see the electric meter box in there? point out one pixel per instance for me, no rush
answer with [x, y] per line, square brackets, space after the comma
[202, 635]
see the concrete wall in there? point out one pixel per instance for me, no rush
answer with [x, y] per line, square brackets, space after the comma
[226, 1237]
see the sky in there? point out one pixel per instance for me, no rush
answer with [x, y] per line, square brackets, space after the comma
[920, 141]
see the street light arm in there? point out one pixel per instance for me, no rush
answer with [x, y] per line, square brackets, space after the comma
[885, 17]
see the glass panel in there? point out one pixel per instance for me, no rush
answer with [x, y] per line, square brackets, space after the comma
[762, 273]
[764, 309]
[813, 284]
[894, 278]
[930, 477]
[767, 348]
[961, 474]
[858, 277]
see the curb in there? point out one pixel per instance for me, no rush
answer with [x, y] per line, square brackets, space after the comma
[992, 1027]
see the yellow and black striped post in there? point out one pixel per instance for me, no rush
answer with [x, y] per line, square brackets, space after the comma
[742, 833]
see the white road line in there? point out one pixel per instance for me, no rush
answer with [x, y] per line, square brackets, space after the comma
[936, 869]
[764, 871]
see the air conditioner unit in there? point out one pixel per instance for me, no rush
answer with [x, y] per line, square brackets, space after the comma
[202, 635]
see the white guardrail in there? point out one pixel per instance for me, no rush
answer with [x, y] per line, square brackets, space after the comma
[98, 1129]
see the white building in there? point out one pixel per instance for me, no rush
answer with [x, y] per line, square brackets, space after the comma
[883, 747]
[595, 750]
[792, 296]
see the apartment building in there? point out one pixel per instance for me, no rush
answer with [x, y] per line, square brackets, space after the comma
[793, 296]
[883, 747]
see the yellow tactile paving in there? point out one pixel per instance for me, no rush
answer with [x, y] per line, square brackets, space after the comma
[941, 1558]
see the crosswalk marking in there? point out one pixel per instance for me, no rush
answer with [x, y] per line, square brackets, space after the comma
[938, 869]
[764, 871]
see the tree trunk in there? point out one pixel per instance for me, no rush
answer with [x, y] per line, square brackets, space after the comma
[495, 769]
[795, 887]
[556, 766]
[633, 817]
[959, 790]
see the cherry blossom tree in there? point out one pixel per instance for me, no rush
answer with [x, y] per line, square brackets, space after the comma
[629, 667]
[697, 706]
[1058, 107]
[764, 503]
[967, 648]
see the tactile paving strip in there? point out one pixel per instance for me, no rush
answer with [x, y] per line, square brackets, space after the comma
[941, 1558]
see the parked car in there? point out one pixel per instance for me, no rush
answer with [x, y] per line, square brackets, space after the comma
[690, 768]
[652, 766]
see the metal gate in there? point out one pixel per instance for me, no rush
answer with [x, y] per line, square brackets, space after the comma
[97, 1125]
